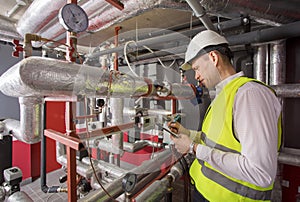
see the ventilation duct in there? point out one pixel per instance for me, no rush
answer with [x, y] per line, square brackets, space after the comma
[41, 17]
[267, 11]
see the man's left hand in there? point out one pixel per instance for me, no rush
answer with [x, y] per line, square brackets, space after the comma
[182, 144]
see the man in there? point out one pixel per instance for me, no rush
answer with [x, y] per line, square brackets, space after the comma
[236, 151]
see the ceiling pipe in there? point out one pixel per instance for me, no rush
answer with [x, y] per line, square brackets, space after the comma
[36, 76]
[200, 13]
[8, 31]
[38, 15]
[258, 36]
[41, 16]
[266, 35]
[174, 36]
[19, 4]
[269, 12]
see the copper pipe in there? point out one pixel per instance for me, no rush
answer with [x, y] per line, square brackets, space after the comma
[69, 141]
[105, 131]
[119, 5]
[116, 65]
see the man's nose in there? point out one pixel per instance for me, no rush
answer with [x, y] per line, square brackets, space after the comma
[197, 76]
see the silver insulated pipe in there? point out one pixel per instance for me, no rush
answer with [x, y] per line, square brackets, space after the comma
[36, 76]
[30, 128]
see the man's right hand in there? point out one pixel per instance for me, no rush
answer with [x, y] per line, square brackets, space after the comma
[178, 128]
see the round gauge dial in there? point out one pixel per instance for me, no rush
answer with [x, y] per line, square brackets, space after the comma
[129, 182]
[73, 18]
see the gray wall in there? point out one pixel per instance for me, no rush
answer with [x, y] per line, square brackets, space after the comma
[9, 106]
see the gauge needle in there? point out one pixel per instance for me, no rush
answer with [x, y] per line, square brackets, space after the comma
[72, 13]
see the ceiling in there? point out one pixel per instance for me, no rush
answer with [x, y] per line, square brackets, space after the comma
[40, 17]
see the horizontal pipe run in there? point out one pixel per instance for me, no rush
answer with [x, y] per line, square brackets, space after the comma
[82, 169]
[115, 187]
[69, 141]
[105, 131]
[289, 159]
[287, 90]
[258, 36]
[36, 76]
[266, 35]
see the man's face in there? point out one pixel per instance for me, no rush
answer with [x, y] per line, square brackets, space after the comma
[206, 71]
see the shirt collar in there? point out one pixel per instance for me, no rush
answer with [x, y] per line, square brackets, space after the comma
[223, 83]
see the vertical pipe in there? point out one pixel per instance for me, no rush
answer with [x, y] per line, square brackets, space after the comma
[201, 14]
[278, 62]
[71, 153]
[116, 65]
[44, 186]
[70, 125]
[277, 76]
[31, 118]
[117, 105]
[260, 63]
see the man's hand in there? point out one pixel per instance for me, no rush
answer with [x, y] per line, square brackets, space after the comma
[182, 144]
[178, 128]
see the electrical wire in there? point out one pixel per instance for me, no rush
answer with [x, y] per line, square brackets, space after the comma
[126, 58]
[149, 49]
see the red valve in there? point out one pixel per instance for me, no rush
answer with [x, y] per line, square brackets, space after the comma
[17, 48]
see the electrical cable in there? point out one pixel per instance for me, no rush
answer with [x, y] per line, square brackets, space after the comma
[150, 50]
[126, 58]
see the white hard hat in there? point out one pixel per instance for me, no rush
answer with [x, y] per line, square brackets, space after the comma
[201, 40]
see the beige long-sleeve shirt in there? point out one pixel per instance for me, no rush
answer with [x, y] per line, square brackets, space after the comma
[256, 112]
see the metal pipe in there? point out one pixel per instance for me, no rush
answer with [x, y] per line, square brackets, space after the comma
[133, 147]
[290, 159]
[38, 15]
[35, 76]
[159, 188]
[19, 4]
[82, 169]
[267, 11]
[260, 63]
[31, 118]
[174, 36]
[8, 31]
[29, 128]
[277, 62]
[201, 14]
[115, 187]
[259, 36]
[106, 168]
[116, 108]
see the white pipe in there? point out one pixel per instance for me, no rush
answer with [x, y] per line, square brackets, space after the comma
[41, 16]
[15, 8]
[30, 128]
[8, 31]
[36, 76]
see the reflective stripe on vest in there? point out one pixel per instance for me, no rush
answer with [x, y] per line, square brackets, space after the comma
[211, 183]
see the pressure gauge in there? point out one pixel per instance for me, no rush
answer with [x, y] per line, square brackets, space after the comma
[73, 18]
[129, 182]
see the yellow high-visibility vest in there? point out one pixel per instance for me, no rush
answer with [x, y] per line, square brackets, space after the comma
[217, 132]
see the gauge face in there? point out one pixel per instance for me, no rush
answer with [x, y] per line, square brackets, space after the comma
[129, 181]
[73, 18]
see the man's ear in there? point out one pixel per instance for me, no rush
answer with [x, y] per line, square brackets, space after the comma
[214, 57]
